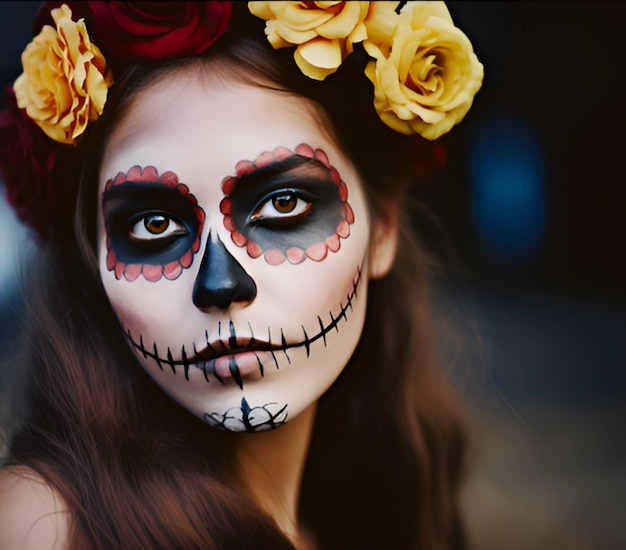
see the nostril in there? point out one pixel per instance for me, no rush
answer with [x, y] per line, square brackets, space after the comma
[221, 280]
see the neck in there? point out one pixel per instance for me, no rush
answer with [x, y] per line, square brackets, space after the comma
[271, 466]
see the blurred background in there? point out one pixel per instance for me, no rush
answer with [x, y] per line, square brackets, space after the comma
[530, 224]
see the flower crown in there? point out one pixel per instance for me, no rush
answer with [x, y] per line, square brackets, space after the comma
[424, 71]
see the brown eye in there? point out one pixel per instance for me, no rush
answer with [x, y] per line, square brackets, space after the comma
[156, 224]
[284, 204]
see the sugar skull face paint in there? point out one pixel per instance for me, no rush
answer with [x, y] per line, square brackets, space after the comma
[153, 224]
[269, 300]
[287, 205]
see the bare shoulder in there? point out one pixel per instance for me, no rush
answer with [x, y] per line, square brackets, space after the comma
[32, 515]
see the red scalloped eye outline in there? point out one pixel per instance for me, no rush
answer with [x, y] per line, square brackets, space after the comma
[154, 272]
[294, 255]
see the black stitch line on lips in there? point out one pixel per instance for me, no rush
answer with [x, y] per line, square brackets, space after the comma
[234, 370]
[206, 376]
[251, 343]
[219, 378]
[284, 346]
[261, 369]
[269, 341]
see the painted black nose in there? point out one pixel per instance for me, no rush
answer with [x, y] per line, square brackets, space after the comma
[221, 279]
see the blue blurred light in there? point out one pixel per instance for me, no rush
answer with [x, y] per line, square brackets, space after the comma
[15, 249]
[508, 190]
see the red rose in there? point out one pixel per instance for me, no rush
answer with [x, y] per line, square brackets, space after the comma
[27, 159]
[155, 30]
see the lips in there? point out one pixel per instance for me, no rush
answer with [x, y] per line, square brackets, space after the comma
[236, 357]
[234, 346]
[236, 360]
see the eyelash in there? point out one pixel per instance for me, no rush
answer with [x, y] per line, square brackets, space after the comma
[267, 211]
[140, 232]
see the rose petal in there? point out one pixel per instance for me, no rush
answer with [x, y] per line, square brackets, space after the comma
[321, 53]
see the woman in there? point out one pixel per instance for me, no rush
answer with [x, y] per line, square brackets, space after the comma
[223, 252]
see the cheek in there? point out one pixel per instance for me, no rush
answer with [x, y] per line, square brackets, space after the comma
[144, 306]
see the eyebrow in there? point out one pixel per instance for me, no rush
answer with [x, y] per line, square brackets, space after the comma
[130, 189]
[282, 166]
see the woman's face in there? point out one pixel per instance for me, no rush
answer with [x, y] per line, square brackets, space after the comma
[233, 247]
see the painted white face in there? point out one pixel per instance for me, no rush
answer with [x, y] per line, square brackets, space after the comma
[233, 241]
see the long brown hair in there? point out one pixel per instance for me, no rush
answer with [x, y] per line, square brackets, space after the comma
[138, 471]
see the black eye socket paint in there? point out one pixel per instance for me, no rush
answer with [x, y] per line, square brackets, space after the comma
[320, 218]
[130, 200]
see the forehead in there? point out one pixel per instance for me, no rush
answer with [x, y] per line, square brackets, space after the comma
[190, 116]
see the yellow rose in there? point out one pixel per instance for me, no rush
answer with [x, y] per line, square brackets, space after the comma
[323, 32]
[64, 84]
[426, 77]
